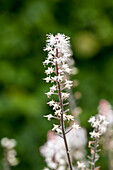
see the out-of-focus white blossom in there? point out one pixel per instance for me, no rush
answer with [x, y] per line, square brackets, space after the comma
[8, 143]
[46, 169]
[81, 165]
[54, 150]
[10, 152]
[75, 126]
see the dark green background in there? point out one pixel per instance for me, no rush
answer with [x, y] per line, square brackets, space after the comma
[23, 28]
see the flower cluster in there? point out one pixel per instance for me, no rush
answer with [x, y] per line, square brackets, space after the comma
[99, 124]
[59, 53]
[9, 151]
[54, 149]
[58, 48]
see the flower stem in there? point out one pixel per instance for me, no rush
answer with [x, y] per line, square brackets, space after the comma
[94, 154]
[62, 121]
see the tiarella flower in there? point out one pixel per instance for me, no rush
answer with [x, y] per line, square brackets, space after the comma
[65, 66]
[92, 119]
[61, 168]
[51, 103]
[68, 84]
[65, 95]
[94, 134]
[49, 116]
[68, 70]
[60, 78]
[53, 79]
[70, 117]
[49, 70]
[96, 123]
[49, 94]
[75, 126]
[55, 106]
[58, 48]
[81, 165]
[55, 127]
[47, 79]
[46, 169]
[58, 130]
[53, 88]
[99, 124]
[58, 112]
[46, 62]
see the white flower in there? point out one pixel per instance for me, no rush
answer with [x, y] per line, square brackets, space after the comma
[68, 70]
[105, 123]
[59, 130]
[69, 117]
[92, 119]
[60, 78]
[96, 124]
[51, 40]
[58, 112]
[65, 66]
[49, 70]
[46, 169]
[46, 62]
[65, 95]
[53, 88]
[68, 84]
[102, 129]
[47, 79]
[49, 116]
[55, 106]
[75, 126]
[61, 168]
[94, 134]
[49, 94]
[80, 164]
[102, 118]
[51, 103]
[52, 165]
[53, 78]
[55, 127]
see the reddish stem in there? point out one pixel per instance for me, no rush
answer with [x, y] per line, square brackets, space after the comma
[62, 121]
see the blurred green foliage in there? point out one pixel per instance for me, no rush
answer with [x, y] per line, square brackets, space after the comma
[23, 26]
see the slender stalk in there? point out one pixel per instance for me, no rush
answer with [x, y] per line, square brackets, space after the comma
[62, 121]
[94, 154]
